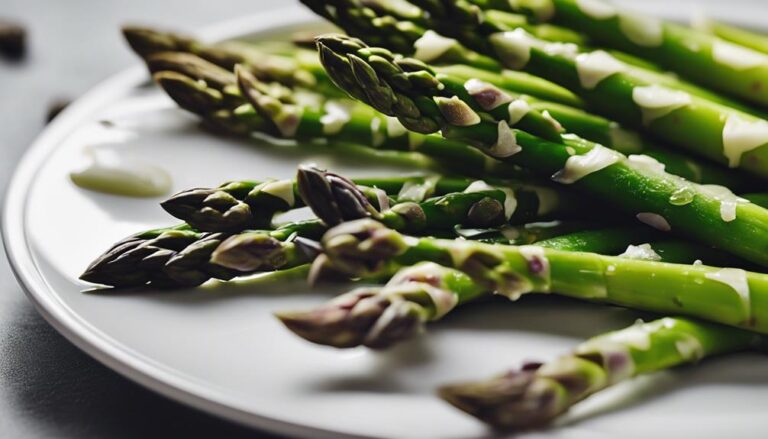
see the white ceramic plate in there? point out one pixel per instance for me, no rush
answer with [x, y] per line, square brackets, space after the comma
[220, 349]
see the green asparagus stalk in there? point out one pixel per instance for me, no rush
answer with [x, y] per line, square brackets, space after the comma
[409, 90]
[403, 10]
[597, 129]
[734, 34]
[181, 257]
[298, 63]
[692, 119]
[401, 36]
[241, 205]
[731, 296]
[688, 121]
[537, 393]
[578, 122]
[541, 123]
[541, 231]
[335, 199]
[223, 109]
[351, 320]
[473, 47]
[706, 59]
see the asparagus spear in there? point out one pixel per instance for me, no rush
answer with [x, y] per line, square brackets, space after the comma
[542, 123]
[590, 126]
[731, 296]
[401, 37]
[378, 317]
[299, 70]
[472, 47]
[407, 302]
[224, 110]
[335, 199]
[734, 34]
[408, 89]
[601, 130]
[181, 257]
[733, 69]
[691, 119]
[688, 121]
[241, 205]
[464, 13]
[537, 393]
[296, 62]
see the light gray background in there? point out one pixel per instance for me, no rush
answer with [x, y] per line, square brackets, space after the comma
[49, 388]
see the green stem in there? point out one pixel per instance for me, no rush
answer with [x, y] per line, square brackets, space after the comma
[537, 393]
[410, 91]
[180, 257]
[729, 296]
[693, 54]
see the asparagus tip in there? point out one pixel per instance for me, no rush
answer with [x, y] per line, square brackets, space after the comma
[209, 209]
[249, 252]
[309, 247]
[512, 401]
[189, 94]
[117, 267]
[359, 318]
[361, 247]
[332, 197]
[145, 41]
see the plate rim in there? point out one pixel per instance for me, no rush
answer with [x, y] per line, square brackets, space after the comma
[97, 345]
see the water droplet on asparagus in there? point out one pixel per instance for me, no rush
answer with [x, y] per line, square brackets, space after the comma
[682, 196]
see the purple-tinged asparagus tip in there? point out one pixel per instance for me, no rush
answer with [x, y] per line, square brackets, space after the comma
[359, 318]
[517, 400]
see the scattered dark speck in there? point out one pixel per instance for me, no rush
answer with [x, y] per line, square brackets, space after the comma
[13, 40]
[107, 123]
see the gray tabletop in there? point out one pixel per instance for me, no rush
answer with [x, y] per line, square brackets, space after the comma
[49, 388]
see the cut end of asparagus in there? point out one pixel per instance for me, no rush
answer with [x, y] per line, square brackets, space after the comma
[209, 210]
[359, 318]
[332, 197]
[249, 252]
[517, 400]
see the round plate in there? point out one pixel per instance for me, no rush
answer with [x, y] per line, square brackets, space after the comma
[220, 349]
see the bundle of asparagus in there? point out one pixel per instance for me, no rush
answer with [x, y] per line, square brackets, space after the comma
[562, 159]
